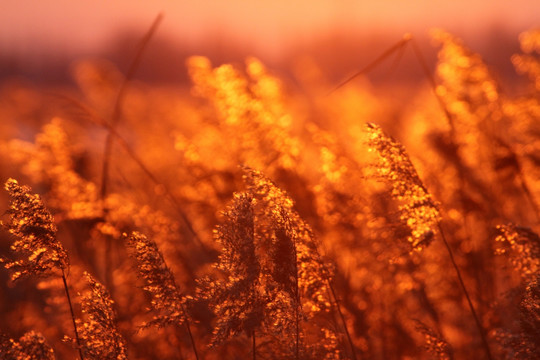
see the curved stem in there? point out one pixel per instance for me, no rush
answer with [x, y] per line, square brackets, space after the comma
[90, 116]
[427, 72]
[117, 112]
[297, 305]
[191, 337]
[72, 315]
[397, 46]
[338, 307]
[466, 293]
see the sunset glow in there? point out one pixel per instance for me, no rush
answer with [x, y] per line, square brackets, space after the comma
[269, 180]
[266, 26]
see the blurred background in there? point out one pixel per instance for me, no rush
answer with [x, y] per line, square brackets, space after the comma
[62, 71]
[39, 40]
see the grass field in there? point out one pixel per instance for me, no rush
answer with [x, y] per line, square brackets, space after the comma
[254, 217]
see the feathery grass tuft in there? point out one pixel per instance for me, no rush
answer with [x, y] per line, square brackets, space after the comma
[33, 226]
[31, 346]
[522, 342]
[167, 300]
[237, 300]
[275, 278]
[98, 333]
[434, 343]
[522, 246]
[418, 209]
[35, 230]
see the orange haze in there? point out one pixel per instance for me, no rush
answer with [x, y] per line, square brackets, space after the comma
[267, 27]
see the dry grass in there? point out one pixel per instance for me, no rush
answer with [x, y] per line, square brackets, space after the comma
[247, 219]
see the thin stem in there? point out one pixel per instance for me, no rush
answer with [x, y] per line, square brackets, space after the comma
[108, 264]
[528, 193]
[399, 56]
[375, 62]
[186, 318]
[338, 307]
[433, 84]
[95, 119]
[450, 119]
[79, 347]
[466, 293]
[297, 307]
[116, 115]
[521, 176]
[117, 112]
[190, 335]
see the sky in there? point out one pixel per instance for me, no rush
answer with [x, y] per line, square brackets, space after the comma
[268, 26]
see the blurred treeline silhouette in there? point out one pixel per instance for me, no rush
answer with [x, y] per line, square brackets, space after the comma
[336, 53]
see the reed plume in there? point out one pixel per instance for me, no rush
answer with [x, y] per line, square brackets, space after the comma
[250, 108]
[522, 245]
[98, 332]
[521, 342]
[167, 300]
[434, 343]
[529, 63]
[275, 278]
[242, 265]
[529, 318]
[237, 300]
[283, 224]
[267, 291]
[49, 161]
[33, 226]
[42, 253]
[417, 208]
[30, 346]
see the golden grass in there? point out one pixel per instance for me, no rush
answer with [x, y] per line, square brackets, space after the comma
[247, 219]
